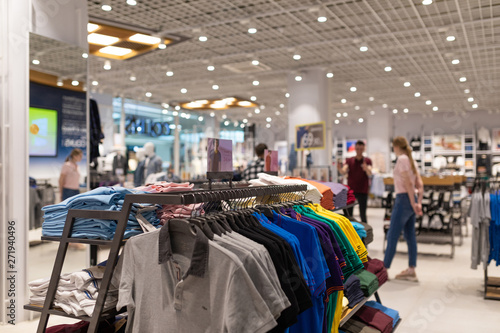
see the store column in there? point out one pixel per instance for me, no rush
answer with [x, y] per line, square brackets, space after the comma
[14, 106]
[378, 136]
[309, 103]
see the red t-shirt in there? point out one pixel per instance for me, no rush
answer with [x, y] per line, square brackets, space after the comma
[357, 179]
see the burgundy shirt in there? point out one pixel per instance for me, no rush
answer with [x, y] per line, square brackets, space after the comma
[357, 179]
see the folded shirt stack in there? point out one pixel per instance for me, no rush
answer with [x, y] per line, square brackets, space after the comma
[376, 267]
[352, 290]
[360, 229]
[327, 195]
[388, 311]
[350, 196]
[374, 318]
[369, 233]
[345, 305]
[368, 281]
[312, 192]
[102, 198]
[339, 194]
[76, 293]
[165, 187]
[167, 212]
[356, 326]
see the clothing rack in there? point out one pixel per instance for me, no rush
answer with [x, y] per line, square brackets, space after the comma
[121, 218]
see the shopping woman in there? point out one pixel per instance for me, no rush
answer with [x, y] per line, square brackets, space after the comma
[69, 181]
[409, 191]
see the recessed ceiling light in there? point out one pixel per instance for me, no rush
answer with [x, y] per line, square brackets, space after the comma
[282, 105]
[384, 106]
[339, 114]
[149, 94]
[395, 111]
[132, 77]
[245, 121]
[253, 98]
[269, 119]
[417, 94]
[329, 75]
[244, 103]
[405, 110]
[107, 65]
[131, 2]
[145, 39]
[268, 125]
[262, 107]
[242, 125]
[360, 120]
[470, 99]
[371, 98]
[177, 107]
[169, 73]
[387, 68]
[91, 27]
[85, 55]
[337, 121]
[345, 114]
[257, 110]
[35, 62]
[372, 112]
[356, 107]
[74, 83]
[450, 38]
[215, 87]
[212, 114]
[467, 91]
[463, 79]
[162, 46]
[363, 48]
[255, 83]
[298, 78]
[106, 5]
[353, 89]
[297, 56]
[287, 95]
[95, 83]
[474, 106]
[455, 61]
[100, 39]
[428, 102]
[343, 101]
[117, 51]
[203, 38]
[407, 84]
[435, 108]
[322, 19]
[252, 30]
[226, 123]
[184, 90]
[277, 113]
[426, 2]
[224, 116]
[255, 62]
[200, 118]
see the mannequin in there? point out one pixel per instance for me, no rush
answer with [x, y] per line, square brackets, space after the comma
[139, 170]
[484, 138]
[120, 163]
[152, 163]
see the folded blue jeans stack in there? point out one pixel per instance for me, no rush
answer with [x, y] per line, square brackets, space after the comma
[102, 198]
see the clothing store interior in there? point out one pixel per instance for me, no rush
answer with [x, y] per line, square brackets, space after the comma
[301, 166]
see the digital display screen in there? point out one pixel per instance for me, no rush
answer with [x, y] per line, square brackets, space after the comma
[43, 132]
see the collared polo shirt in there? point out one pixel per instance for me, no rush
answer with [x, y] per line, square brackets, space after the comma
[183, 283]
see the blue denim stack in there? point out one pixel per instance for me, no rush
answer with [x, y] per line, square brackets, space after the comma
[102, 198]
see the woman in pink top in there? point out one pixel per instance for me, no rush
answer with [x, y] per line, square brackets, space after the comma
[69, 181]
[408, 204]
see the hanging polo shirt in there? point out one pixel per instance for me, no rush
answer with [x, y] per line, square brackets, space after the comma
[347, 228]
[166, 291]
[275, 299]
[353, 263]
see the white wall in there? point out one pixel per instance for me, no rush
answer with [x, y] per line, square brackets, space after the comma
[62, 20]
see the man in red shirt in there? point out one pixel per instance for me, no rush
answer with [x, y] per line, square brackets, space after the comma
[358, 170]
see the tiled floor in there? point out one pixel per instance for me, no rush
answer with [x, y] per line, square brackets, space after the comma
[448, 297]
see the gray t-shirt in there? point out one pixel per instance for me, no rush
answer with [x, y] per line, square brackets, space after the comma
[172, 291]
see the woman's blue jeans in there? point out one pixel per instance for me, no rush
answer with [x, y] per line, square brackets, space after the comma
[68, 192]
[402, 219]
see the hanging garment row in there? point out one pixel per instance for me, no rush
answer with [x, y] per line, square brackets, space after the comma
[276, 267]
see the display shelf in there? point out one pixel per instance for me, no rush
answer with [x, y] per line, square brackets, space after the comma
[397, 324]
[81, 240]
[59, 312]
[345, 207]
[352, 311]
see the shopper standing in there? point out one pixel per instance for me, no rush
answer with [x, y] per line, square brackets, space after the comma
[358, 170]
[407, 182]
[257, 165]
[69, 180]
